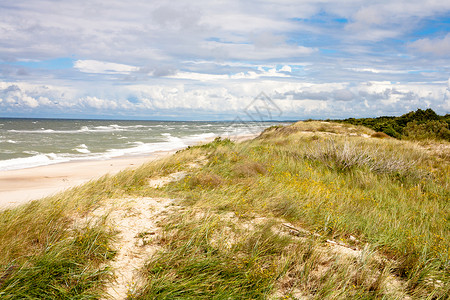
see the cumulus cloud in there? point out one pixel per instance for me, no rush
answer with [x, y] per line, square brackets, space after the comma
[14, 96]
[295, 99]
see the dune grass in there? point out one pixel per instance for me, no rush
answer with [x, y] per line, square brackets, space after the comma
[389, 194]
[44, 256]
[372, 218]
[213, 256]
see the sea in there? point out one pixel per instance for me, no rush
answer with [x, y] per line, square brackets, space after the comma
[27, 143]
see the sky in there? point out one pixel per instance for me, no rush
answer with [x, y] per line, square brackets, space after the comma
[220, 60]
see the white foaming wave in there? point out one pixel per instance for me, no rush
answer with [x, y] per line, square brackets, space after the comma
[44, 159]
[232, 132]
[8, 141]
[42, 130]
[172, 143]
[31, 152]
[195, 138]
[32, 161]
[116, 127]
[82, 149]
[108, 128]
[133, 126]
[83, 129]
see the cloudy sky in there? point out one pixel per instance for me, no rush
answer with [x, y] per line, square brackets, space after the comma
[208, 60]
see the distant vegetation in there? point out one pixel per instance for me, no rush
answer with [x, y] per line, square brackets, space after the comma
[415, 125]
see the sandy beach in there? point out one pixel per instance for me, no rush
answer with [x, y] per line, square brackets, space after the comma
[24, 185]
[20, 186]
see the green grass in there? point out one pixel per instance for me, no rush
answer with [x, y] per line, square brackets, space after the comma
[66, 269]
[45, 257]
[197, 263]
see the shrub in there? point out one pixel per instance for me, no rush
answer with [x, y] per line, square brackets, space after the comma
[380, 135]
[428, 130]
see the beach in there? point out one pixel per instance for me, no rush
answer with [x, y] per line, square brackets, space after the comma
[24, 185]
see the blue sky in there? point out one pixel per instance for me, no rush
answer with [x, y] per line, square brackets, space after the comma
[208, 60]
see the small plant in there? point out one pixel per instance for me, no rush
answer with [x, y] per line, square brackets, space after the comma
[218, 141]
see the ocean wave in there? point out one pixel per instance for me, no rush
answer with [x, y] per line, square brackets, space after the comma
[31, 152]
[7, 151]
[82, 149]
[32, 161]
[85, 129]
[170, 142]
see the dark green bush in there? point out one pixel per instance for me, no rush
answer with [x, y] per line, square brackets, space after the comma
[428, 130]
[415, 125]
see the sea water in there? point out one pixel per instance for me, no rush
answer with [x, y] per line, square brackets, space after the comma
[26, 143]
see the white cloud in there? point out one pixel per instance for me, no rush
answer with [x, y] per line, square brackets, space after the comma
[98, 103]
[286, 68]
[272, 72]
[101, 67]
[377, 71]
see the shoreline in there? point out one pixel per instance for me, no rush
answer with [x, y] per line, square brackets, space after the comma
[24, 185]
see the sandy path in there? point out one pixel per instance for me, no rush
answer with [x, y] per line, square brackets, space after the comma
[137, 220]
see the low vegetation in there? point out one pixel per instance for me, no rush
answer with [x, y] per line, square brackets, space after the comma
[418, 125]
[315, 210]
